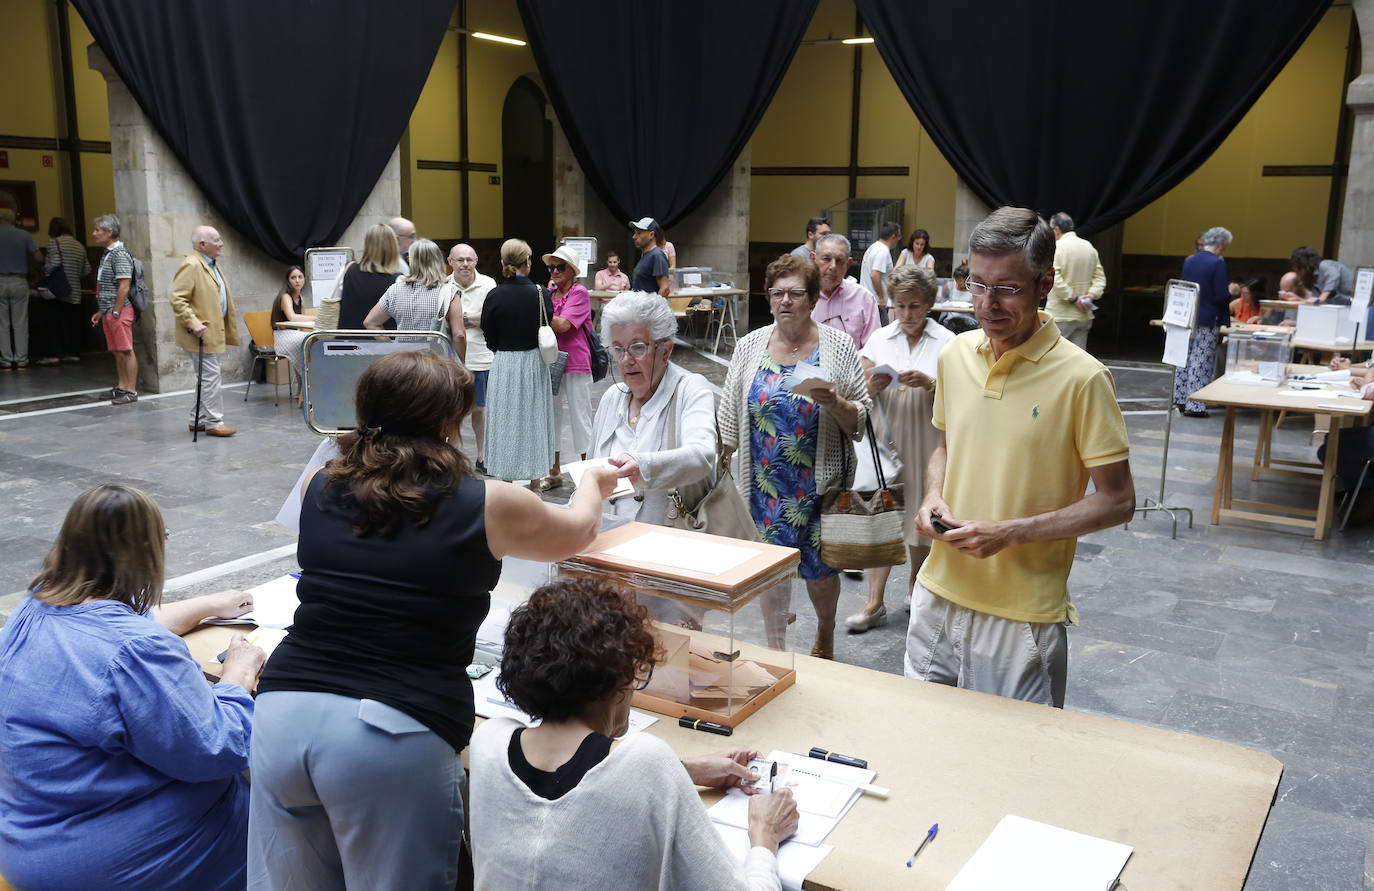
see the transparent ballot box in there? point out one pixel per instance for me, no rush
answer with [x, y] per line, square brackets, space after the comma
[722, 611]
[1258, 357]
[689, 278]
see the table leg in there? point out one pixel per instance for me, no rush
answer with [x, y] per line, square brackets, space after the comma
[1228, 432]
[1262, 443]
[1325, 503]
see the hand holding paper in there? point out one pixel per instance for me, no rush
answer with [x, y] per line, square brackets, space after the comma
[577, 469]
[808, 379]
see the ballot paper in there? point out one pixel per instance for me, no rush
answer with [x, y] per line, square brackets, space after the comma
[679, 552]
[575, 470]
[824, 792]
[1176, 345]
[795, 860]
[807, 379]
[884, 369]
[274, 605]
[1031, 856]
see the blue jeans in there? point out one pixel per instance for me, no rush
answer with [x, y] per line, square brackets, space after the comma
[350, 793]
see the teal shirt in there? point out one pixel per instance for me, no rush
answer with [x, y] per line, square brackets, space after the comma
[223, 294]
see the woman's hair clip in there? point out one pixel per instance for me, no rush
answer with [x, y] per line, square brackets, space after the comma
[369, 432]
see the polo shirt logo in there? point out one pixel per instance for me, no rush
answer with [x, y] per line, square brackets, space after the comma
[1035, 411]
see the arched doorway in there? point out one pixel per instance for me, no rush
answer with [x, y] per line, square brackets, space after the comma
[527, 166]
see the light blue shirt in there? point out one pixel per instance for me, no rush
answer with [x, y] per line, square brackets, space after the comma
[120, 767]
[16, 247]
[223, 295]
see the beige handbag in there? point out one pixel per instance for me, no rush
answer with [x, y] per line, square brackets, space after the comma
[715, 508]
[863, 529]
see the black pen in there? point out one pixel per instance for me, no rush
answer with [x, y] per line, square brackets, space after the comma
[772, 778]
[827, 755]
[706, 726]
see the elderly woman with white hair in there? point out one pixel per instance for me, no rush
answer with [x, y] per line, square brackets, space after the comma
[658, 425]
[1213, 310]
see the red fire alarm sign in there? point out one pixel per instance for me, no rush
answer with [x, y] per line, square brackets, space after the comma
[4, 159]
[47, 160]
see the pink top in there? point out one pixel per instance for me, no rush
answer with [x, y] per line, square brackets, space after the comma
[851, 308]
[576, 309]
[612, 281]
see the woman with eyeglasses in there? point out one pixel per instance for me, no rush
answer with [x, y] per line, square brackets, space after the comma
[572, 310]
[654, 394]
[520, 442]
[611, 810]
[794, 448]
[120, 767]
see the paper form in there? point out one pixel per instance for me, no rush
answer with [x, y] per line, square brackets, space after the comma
[1176, 345]
[813, 783]
[708, 557]
[807, 378]
[576, 469]
[1031, 856]
[795, 860]
[274, 605]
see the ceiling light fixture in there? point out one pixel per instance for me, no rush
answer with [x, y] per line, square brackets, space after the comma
[497, 38]
[851, 41]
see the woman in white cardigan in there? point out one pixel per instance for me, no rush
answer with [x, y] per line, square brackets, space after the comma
[794, 448]
[632, 422]
[566, 805]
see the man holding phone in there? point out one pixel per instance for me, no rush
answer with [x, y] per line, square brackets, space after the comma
[1026, 419]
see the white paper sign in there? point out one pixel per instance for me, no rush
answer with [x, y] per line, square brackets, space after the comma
[1176, 345]
[1180, 304]
[1359, 304]
[326, 265]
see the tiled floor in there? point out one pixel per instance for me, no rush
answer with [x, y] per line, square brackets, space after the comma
[1254, 635]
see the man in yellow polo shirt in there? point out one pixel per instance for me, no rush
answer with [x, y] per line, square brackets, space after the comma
[1027, 418]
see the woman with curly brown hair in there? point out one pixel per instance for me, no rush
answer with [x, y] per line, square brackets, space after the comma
[611, 814]
[365, 705]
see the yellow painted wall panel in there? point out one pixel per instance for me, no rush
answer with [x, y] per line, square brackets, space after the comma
[92, 96]
[97, 180]
[26, 165]
[779, 206]
[26, 102]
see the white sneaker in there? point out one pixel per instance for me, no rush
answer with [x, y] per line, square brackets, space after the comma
[860, 622]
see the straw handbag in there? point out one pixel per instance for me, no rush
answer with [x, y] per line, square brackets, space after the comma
[862, 529]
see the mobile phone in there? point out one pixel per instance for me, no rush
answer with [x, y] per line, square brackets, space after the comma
[939, 524]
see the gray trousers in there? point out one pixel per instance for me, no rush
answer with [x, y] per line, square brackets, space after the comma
[350, 793]
[14, 317]
[211, 396]
[1076, 333]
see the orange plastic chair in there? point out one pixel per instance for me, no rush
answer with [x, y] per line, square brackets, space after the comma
[259, 325]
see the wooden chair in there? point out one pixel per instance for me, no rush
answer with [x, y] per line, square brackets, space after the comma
[259, 325]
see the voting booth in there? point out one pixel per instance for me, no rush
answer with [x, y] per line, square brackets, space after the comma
[722, 611]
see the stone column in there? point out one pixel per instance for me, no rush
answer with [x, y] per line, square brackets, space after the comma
[569, 189]
[1357, 219]
[716, 234]
[969, 211]
[159, 206]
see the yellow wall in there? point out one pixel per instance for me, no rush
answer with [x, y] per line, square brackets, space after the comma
[492, 68]
[1294, 122]
[33, 112]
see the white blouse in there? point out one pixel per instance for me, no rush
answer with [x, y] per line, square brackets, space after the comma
[889, 346]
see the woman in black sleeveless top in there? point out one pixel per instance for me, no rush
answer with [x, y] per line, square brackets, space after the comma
[366, 281]
[364, 707]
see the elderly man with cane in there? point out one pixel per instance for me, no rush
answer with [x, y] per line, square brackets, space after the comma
[205, 320]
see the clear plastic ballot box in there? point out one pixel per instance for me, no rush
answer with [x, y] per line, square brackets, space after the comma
[722, 610]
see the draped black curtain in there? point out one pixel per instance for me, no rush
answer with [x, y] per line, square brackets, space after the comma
[1094, 108]
[284, 112]
[658, 98]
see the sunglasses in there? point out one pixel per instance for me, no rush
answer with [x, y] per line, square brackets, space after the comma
[557, 267]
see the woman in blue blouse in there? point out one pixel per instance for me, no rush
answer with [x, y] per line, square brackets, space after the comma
[120, 767]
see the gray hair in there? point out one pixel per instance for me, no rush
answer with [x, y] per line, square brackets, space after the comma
[636, 307]
[1215, 236]
[1062, 221]
[7, 216]
[910, 279]
[1012, 230]
[833, 236]
[109, 222]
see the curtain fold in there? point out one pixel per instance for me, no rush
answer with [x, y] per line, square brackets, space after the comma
[284, 113]
[658, 99]
[1083, 106]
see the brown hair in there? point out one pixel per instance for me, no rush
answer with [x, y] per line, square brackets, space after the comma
[381, 253]
[112, 546]
[389, 469]
[573, 643]
[788, 265]
[514, 254]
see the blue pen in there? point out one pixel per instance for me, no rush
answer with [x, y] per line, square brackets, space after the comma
[296, 576]
[925, 841]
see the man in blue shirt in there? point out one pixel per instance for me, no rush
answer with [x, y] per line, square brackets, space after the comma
[651, 272]
[16, 247]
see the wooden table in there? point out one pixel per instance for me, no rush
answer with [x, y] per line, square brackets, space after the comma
[1268, 400]
[723, 316]
[1192, 808]
[299, 325]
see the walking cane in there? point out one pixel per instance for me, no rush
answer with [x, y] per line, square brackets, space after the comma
[200, 365]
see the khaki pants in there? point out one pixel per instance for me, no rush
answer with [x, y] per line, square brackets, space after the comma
[211, 396]
[1076, 332]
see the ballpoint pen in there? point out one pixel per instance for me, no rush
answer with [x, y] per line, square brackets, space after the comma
[772, 778]
[925, 841]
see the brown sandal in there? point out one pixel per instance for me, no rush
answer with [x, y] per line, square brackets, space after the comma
[826, 653]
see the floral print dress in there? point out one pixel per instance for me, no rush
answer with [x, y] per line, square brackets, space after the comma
[782, 495]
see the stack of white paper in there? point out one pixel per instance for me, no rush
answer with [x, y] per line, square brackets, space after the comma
[274, 605]
[1031, 856]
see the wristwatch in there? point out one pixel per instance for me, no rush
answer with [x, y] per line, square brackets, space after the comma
[114, 313]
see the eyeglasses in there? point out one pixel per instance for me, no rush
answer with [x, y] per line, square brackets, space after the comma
[979, 289]
[640, 685]
[637, 350]
[793, 293]
[556, 267]
[412, 235]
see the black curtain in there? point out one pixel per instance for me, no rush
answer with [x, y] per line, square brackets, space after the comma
[1094, 108]
[658, 98]
[284, 112]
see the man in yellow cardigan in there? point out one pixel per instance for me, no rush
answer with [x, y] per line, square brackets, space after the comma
[205, 317]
